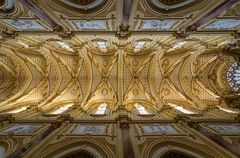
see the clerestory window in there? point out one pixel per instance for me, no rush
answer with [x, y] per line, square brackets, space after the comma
[233, 76]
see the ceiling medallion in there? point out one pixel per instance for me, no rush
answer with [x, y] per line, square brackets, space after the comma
[135, 92]
[104, 91]
[105, 63]
[166, 62]
[166, 92]
[135, 63]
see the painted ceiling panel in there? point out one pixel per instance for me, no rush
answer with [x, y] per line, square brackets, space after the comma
[25, 25]
[90, 25]
[158, 25]
[223, 24]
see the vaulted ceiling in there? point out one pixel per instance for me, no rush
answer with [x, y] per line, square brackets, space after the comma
[85, 52]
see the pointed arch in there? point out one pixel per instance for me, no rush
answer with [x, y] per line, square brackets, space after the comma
[160, 148]
[69, 146]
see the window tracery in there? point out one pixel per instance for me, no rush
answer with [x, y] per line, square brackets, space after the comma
[141, 109]
[61, 110]
[101, 109]
[233, 76]
[180, 108]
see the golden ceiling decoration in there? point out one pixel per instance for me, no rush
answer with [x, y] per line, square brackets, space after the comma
[50, 76]
[119, 78]
[89, 60]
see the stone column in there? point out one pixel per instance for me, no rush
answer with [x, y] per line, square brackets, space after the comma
[19, 153]
[216, 138]
[127, 144]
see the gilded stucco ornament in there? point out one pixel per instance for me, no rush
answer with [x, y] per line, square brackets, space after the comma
[89, 78]
[104, 91]
[165, 92]
[135, 92]
[236, 10]
[135, 63]
[105, 63]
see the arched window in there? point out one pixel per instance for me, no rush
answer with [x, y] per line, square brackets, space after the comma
[101, 109]
[141, 109]
[233, 76]
[61, 109]
[180, 108]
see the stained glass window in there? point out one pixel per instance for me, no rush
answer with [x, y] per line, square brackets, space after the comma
[233, 76]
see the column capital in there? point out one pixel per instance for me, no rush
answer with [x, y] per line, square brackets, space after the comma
[124, 125]
[124, 32]
[193, 124]
[123, 121]
[180, 35]
[65, 117]
[182, 118]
